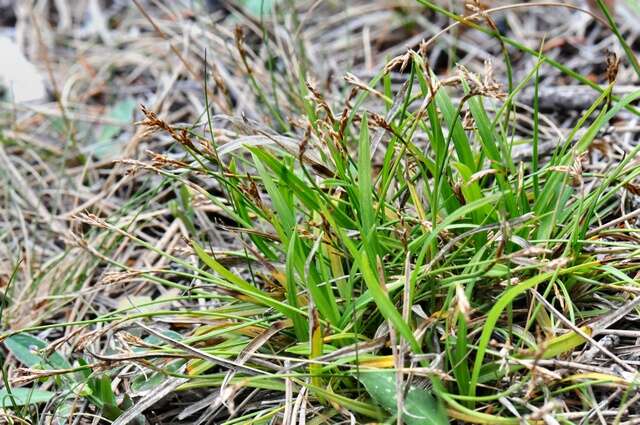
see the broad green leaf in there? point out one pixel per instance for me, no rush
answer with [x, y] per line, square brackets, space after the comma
[107, 398]
[25, 348]
[420, 407]
[155, 340]
[63, 411]
[107, 145]
[23, 397]
[155, 379]
[258, 8]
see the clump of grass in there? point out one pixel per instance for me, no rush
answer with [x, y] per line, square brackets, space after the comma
[392, 260]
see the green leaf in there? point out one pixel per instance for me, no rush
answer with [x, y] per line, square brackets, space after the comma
[384, 303]
[254, 294]
[107, 145]
[304, 349]
[147, 382]
[365, 186]
[299, 321]
[25, 348]
[287, 177]
[257, 8]
[105, 392]
[453, 119]
[302, 190]
[496, 311]
[156, 340]
[492, 318]
[420, 407]
[286, 220]
[63, 411]
[472, 192]
[23, 397]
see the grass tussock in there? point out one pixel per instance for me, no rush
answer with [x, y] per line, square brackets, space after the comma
[404, 246]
